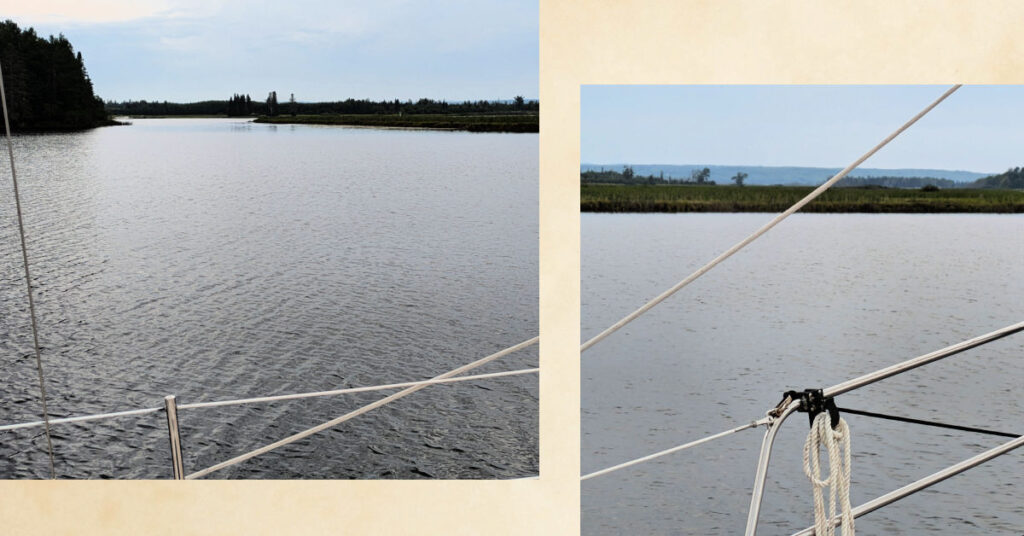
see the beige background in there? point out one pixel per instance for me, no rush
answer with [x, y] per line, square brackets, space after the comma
[581, 43]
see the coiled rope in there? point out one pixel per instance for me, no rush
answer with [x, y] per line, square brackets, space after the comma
[837, 444]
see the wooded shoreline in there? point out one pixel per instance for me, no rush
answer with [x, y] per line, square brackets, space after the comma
[522, 123]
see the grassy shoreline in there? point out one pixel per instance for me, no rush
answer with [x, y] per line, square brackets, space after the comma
[672, 198]
[471, 123]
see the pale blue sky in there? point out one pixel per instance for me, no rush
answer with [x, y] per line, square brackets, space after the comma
[187, 50]
[978, 128]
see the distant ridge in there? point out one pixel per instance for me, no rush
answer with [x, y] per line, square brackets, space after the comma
[789, 175]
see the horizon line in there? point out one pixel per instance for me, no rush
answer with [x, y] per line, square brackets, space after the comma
[792, 166]
[526, 99]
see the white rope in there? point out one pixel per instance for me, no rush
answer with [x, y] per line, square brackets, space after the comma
[369, 407]
[82, 418]
[272, 398]
[837, 444]
[775, 221]
[666, 452]
[28, 278]
[926, 482]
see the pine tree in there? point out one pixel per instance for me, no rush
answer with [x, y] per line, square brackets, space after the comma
[47, 85]
[272, 103]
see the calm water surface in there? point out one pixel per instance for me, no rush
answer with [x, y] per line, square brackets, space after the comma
[820, 299]
[218, 259]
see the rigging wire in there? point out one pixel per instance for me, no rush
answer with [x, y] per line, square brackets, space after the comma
[764, 229]
[927, 423]
[355, 413]
[411, 386]
[856, 383]
[384, 387]
[296, 396]
[28, 279]
[684, 446]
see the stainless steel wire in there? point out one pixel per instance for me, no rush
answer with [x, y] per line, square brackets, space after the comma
[28, 277]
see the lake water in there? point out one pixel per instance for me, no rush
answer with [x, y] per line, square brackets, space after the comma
[219, 259]
[820, 299]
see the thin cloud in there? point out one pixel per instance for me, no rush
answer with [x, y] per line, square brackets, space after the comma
[75, 12]
[189, 43]
[320, 49]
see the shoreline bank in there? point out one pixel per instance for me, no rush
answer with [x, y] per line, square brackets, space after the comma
[642, 198]
[509, 123]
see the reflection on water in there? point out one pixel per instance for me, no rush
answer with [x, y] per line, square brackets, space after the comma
[820, 299]
[218, 259]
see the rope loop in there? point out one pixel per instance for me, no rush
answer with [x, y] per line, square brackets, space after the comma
[837, 445]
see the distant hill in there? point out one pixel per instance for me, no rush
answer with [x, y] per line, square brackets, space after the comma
[1011, 179]
[789, 175]
[46, 83]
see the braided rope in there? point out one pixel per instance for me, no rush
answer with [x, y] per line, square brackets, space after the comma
[838, 481]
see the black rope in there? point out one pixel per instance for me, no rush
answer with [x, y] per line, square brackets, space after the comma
[927, 423]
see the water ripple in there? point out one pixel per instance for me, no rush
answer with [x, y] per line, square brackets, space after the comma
[176, 256]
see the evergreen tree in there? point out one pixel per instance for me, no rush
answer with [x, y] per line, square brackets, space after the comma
[272, 103]
[46, 83]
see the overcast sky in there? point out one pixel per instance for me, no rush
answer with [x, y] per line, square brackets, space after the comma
[978, 128]
[187, 50]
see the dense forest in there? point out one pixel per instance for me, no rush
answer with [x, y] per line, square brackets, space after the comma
[270, 107]
[1011, 179]
[46, 83]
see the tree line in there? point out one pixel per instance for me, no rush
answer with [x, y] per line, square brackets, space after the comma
[243, 104]
[1012, 179]
[239, 105]
[896, 182]
[46, 83]
[698, 177]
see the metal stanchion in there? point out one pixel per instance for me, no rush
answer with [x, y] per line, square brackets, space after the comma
[172, 431]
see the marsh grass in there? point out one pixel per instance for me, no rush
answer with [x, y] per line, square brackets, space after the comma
[671, 198]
